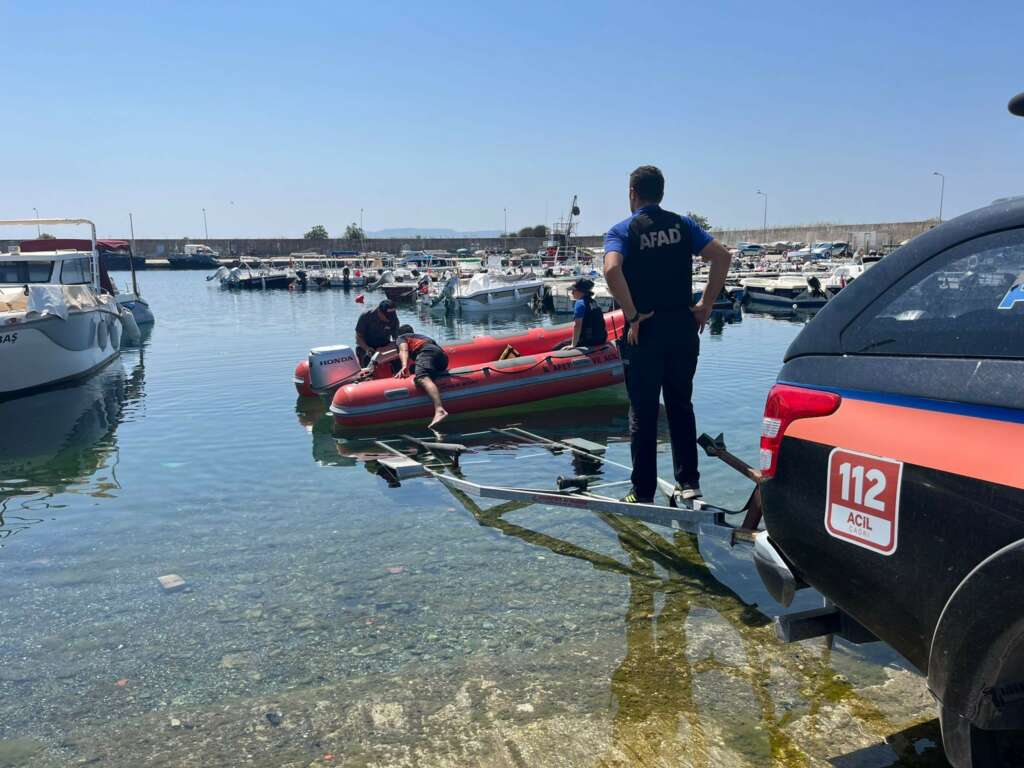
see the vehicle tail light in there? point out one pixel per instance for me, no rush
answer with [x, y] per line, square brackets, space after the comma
[785, 405]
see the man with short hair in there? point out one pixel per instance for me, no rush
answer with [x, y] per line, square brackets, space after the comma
[376, 328]
[430, 362]
[648, 267]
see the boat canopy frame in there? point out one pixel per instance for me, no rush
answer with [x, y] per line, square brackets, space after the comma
[50, 222]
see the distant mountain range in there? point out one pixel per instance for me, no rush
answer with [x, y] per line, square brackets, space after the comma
[412, 232]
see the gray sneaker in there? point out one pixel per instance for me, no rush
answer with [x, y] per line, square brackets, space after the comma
[688, 491]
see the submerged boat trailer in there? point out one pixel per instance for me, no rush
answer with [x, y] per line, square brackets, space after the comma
[441, 461]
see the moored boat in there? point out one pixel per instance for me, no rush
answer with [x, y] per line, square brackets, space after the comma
[792, 291]
[485, 292]
[56, 324]
[194, 256]
[246, 277]
[105, 251]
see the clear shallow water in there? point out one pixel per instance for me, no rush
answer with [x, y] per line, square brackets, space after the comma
[330, 619]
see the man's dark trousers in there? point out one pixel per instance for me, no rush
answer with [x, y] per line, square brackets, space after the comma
[664, 361]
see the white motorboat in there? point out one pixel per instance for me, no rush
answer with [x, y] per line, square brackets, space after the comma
[106, 250]
[485, 292]
[56, 324]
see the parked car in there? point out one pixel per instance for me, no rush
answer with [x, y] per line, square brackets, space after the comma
[839, 250]
[822, 251]
[751, 249]
[893, 461]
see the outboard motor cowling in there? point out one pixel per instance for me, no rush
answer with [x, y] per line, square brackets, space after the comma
[329, 367]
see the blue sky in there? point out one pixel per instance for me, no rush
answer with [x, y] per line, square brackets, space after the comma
[275, 118]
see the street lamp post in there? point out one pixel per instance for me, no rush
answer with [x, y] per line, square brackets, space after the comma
[942, 191]
[764, 223]
[36, 211]
[362, 232]
[206, 229]
[506, 228]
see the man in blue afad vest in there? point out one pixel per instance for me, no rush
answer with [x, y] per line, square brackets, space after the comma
[647, 264]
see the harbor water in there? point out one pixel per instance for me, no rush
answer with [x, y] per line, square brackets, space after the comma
[331, 619]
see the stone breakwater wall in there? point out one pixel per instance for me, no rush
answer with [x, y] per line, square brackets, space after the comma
[869, 235]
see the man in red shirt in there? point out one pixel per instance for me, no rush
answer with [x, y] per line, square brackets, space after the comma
[430, 361]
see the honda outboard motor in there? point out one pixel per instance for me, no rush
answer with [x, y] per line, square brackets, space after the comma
[330, 367]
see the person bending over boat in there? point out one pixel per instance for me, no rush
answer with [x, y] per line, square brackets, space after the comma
[429, 362]
[588, 328]
[375, 329]
[648, 266]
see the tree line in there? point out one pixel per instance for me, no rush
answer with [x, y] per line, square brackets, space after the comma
[319, 232]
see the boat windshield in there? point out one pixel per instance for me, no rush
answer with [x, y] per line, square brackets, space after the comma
[76, 271]
[21, 272]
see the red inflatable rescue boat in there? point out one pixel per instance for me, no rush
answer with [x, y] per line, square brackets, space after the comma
[478, 379]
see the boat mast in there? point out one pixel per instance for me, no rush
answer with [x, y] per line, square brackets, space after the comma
[131, 255]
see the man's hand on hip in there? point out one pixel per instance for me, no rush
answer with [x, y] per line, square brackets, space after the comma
[701, 313]
[633, 337]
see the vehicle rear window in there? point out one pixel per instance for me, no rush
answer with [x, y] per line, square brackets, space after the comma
[25, 271]
[965, 302]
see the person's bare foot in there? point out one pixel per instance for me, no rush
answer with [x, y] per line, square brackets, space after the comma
[439, 415]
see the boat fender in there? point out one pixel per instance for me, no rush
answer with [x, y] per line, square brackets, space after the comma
[131, 334]
[360, 299]
[102, 333]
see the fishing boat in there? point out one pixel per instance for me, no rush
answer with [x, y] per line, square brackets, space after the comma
[56, 323]
[194, 256]
[117, 255]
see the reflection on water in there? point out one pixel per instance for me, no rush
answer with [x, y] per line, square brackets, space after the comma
[327, 613]
[63, 440]
[790, 314]
[701, 666]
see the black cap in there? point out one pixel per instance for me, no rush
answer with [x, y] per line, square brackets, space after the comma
[1017, 105]
[584, 285]
[387, 307]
